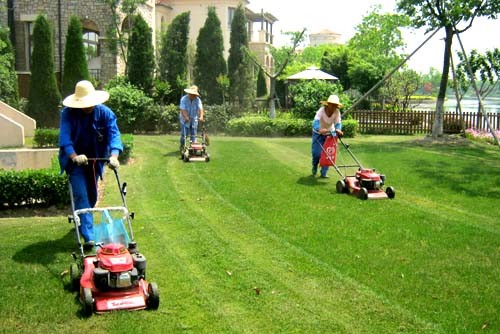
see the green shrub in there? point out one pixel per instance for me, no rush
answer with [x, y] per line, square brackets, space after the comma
[350, 128]
[169, 119]
[130, 106]
[128, 146]
[307, 95]
[263, 126]
[42, 187]
[217, 117]
[46, 138]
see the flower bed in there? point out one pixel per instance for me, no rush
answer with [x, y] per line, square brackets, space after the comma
[481, 135]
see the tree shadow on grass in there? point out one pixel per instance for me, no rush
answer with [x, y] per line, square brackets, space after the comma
[46, 253]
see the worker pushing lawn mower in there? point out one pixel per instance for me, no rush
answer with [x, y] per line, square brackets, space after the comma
[191, 112]
[365, 182]
[114, 276]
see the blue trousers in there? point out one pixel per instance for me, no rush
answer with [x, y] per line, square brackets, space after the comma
[317, 141]
[83, 182]
[188, 129]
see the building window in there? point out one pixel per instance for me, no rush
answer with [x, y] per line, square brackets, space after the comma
[28, 43]
[230, 16]
[91, 44]
[92, 53]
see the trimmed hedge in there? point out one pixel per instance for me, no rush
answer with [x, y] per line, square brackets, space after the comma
[128, 146]
[46, 138]
[43, 187]
[50, 138]
[263, 126]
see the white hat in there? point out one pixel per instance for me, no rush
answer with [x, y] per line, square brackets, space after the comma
[85, 96]
[192, 90]
[333, 99]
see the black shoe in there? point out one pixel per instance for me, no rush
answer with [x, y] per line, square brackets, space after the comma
[87, 246]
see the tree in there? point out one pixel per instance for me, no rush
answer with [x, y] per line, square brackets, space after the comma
[336, 62]
[399, 88]
[75, 62]
[9, 92]
[446, 14]
[44, 97]
[118, 38]
[376, 42]
[261, 83]
[431, 81]
[281, 64]
[140, 71]
[484, 67]
[241, 86]
[209, 59]
[173, 55]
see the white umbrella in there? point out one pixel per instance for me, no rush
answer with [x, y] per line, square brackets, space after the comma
[312, 73]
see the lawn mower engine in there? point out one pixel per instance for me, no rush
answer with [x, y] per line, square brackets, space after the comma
[195, 152]
[369, 179]
[196, 149]
[115, 267]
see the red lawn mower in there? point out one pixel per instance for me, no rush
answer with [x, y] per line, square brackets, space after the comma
[365, 183]
[195, 151]
[114, 278]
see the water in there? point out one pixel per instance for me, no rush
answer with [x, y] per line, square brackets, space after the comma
[490, 104]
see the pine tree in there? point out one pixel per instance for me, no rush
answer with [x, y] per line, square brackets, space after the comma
[173, 56]
[261, 84]
[209, 61]
[9, 92]
[241, 86]
[44, 97]
[75, 63]
[141, 61]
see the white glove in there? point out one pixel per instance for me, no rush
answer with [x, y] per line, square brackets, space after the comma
[113, 163]
[80, 160]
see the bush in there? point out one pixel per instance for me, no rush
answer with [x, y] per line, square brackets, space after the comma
[481, 135]
[43, 187]
[130, 106]
[350, 128]
[308, 94]
[217, 117]
[169, 119]
[128, 146]
[263, 126]
[46, 138]
[452, 125]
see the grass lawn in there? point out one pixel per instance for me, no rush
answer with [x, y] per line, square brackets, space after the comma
[251, 243]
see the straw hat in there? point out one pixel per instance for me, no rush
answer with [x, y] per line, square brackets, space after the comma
[192, 90]
[333, 99]
[85, 96]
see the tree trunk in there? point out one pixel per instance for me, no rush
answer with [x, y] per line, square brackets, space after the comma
[437, 127]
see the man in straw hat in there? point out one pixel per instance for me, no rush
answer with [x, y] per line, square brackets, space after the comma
[88, 130]
[191, 111]
[327, 121]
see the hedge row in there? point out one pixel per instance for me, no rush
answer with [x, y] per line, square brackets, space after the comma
[42, 187]
[50, 138]
[262, 126]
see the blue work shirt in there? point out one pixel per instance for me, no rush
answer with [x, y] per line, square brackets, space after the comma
[192, 108]
[96, 135]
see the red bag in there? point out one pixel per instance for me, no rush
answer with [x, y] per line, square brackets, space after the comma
[329, 152]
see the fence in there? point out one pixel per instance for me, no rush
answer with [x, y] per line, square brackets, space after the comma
[420, 121]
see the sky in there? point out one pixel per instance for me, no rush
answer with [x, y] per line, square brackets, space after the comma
[342, 17]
